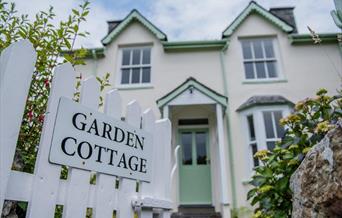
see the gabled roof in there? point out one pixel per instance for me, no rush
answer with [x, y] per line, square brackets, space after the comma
[259, 100]
[134, 15]
[253, 7]
[192, 82]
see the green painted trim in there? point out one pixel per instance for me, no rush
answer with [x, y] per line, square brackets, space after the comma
[253, 7]
[264, 81]
[300, 39]
[192, 83]
[229, 135]
[194, 45]
[133, 16]
[92, 53]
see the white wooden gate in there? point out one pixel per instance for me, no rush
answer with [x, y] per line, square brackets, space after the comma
[43, 190]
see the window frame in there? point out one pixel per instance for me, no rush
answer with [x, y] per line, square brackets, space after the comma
[131, 85]
[259, 129]
[276, 59]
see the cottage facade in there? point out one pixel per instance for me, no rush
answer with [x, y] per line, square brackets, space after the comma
[224, 97]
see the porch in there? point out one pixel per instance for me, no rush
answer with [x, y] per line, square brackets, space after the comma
[201, 182]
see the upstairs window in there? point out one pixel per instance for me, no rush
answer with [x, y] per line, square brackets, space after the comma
[136, 66]
[259, 59]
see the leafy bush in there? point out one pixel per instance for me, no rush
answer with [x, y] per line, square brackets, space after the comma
[49, 41]
[305, 127]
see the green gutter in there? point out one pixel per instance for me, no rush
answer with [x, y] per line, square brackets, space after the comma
[89, 53]
[194, 45]
[300, 39]
[229, 135]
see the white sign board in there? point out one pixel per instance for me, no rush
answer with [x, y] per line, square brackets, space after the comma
[90, 140]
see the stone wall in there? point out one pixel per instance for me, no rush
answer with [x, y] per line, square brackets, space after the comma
[317, 183]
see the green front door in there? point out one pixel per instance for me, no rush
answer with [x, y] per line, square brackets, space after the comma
[194, 167]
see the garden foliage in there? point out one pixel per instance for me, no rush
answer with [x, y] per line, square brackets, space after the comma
[306, 126]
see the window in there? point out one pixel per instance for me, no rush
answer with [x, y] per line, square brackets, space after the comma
[252, 139]
[259, 59]
[264, 129]
[273, 130]
[136, 66]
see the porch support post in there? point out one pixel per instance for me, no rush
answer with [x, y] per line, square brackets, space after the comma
[166, 111]
[223, 163]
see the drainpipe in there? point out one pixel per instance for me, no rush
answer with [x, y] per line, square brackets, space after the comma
[230, 145]
[93, 52]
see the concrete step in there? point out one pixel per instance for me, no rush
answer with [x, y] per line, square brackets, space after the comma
[196, 211]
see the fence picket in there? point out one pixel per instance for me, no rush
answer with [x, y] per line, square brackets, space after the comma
[44, 189]
[127, 187]
[12, 102]
[78, 187]
[106, 194]
[148, 124]
[46, 181]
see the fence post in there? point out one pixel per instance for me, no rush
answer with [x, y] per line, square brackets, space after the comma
[16, 68]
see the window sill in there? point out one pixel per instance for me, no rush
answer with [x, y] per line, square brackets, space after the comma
[135, 86]
[264, 81]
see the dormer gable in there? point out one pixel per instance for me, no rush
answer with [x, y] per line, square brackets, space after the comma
[134, 15]
[254, 8]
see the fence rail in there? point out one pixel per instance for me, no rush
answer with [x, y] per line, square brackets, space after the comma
[44, 189]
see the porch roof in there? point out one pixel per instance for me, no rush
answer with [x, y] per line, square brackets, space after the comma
[258, 100]
[192, 83]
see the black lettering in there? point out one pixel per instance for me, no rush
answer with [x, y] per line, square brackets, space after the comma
[129, 140]
[79, 150]
[63, 144]
[143, 165]
[122, 161]
[117, 130]
[106, 131]
[94, 127]
[111, 155]
[130, 163]
[141, 143]
[83, 125]
[100, 152]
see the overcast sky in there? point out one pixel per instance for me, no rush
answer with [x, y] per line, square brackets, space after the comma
[181, 19]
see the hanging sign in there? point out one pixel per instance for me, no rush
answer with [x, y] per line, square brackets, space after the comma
[90, 140]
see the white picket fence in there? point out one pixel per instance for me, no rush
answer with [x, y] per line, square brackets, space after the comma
[43, 190]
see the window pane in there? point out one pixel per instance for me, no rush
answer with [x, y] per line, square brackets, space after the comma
[280, 129]
[271, 68]
[254, 148]
[126, 56]
[246, 50]
[268, 48]
[186, 140]
[146, 75]
[260, 68]
[125, 76]
[251, 128]
[257, 49]
[136, 75]
[146, 56]
[270, 145]
[249, 71]
[201, 139]
[136, 56]
[268, 124]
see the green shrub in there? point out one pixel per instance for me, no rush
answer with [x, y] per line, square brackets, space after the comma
[305, 127]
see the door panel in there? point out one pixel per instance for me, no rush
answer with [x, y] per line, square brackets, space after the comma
[195, 180]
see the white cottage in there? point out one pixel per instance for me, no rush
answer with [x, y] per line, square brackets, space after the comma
[224, 97]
